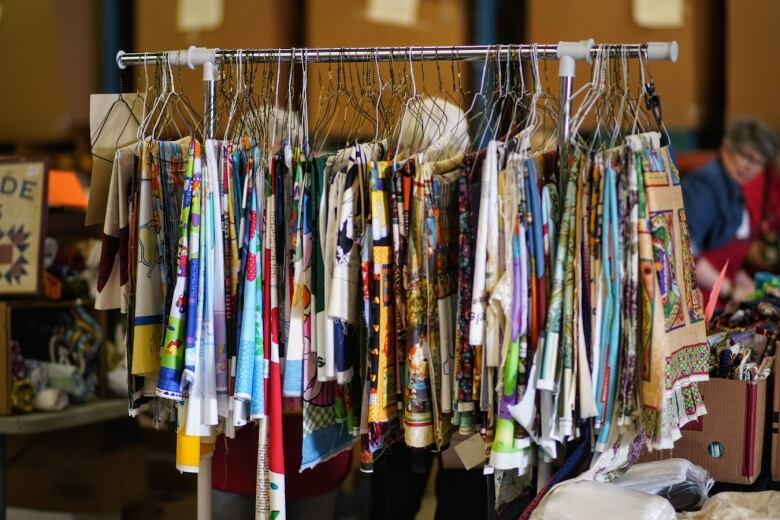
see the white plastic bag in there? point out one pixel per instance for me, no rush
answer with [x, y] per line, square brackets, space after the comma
[680, 481]
[587, 500]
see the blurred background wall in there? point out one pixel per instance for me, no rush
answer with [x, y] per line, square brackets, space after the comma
[53, 54]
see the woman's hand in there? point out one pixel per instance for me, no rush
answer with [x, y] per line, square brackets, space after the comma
[743, 286]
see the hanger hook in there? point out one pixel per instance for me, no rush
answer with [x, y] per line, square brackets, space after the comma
[411, 73]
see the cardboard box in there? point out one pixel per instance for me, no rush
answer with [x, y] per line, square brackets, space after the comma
[728, 441]
[776, 420]
[88, 469]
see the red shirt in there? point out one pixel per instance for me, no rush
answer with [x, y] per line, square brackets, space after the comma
[234, 466]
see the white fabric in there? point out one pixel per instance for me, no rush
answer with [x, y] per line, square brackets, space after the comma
[743, 231]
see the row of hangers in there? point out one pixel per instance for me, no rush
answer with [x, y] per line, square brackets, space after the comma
[269, 101]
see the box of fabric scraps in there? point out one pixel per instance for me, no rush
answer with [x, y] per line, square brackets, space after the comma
[762, 307]
[728, 441]
[775, 421]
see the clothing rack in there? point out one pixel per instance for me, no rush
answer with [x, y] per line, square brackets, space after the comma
[568, 53]
[584, 49]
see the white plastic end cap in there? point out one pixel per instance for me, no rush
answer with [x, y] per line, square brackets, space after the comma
[674, 51]
[663, 51]
[119, 62]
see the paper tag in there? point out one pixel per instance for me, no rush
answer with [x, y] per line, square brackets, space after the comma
[659, 14]
[199, 15]
[393, 12]
[471, 451]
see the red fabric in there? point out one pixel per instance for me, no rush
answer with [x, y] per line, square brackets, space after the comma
[235, 463]
[754, 199]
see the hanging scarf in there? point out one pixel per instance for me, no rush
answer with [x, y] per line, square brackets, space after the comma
[401, 189]
[112, 288]
[612, 275]
[381, 382]
[300, 313]
[503, 307]
[172, 358]
[137, 400]
[567, 363]
[477, 318]
[677, 355]
[245, 375]
[464, 358]
[232, 260]
[194, 274]
[275, 452]
[324, 435]
[343, 305]
[148, 317]
[425, 422]
[217, 257]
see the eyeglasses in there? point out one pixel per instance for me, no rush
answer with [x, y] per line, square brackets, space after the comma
[752, 157]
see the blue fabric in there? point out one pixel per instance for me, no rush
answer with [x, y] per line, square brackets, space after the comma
[324, 443]
[245, 369]
[714, 206]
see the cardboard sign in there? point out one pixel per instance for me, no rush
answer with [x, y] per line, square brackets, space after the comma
[23, 186]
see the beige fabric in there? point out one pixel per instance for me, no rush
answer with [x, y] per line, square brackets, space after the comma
[738, 506]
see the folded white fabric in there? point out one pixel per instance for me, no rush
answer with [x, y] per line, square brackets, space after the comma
[587, 500]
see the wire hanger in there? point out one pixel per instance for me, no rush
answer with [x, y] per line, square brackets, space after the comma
[120, 101]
